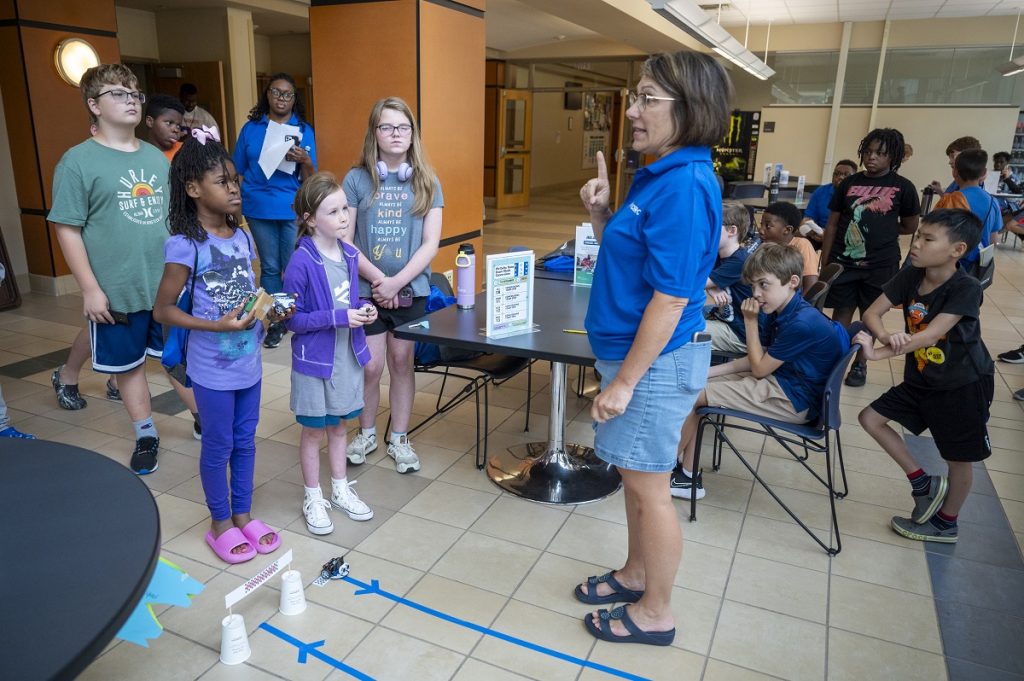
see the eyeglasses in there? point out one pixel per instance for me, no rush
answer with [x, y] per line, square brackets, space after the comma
[642, 98]
[403, 130]
[122, 96]
[283, 95]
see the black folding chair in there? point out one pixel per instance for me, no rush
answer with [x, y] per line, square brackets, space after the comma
[813, 437]
[479, 371]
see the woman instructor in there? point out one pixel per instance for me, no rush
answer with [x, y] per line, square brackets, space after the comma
[645, 326]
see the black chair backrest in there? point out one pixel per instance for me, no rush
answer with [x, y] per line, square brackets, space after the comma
[746, 190]
[830, 417]
[441, 282]
[829, 272]
[816, 294]
[986, 266]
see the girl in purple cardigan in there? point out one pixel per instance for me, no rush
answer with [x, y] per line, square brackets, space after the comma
[328, 345]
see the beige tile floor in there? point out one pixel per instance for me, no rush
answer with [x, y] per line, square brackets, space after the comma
[754, 598]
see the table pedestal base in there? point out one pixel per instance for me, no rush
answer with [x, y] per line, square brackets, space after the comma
[539, 472]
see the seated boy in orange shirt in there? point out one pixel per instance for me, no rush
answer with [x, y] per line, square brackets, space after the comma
[780, 224]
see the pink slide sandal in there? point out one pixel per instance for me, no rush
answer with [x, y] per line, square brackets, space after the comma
[256, 529]
[223, 544]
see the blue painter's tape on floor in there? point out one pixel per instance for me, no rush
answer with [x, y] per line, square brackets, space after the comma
[374, 588]
[310, 649]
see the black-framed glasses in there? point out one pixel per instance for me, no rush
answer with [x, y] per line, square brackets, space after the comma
[642, 99]
[121, 96]
[404, 130]
[283, 95]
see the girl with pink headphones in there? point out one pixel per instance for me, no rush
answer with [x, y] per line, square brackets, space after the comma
[395, 203]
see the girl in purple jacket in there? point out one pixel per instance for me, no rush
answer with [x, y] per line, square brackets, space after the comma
[328, 345]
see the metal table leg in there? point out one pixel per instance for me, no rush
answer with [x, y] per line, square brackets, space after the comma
[554, 472]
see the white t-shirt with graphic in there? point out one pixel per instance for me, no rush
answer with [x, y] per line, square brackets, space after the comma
[119, 199]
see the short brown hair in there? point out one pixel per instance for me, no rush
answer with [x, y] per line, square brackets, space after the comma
[784, 262]
[95, 78]
[702, 92]
[735, 213]
[962, 144]
[311, 194]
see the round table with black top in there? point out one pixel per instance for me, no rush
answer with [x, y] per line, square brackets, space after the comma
[81, 540]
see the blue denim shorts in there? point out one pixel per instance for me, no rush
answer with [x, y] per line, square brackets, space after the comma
[327, 420]
[646, 436]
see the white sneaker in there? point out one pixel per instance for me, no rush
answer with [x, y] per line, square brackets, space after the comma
[315, 507]
[345, 498]
[404, 456]
[360, 446]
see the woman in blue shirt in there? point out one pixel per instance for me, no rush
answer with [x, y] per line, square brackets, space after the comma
[267, 201]
[645, 325]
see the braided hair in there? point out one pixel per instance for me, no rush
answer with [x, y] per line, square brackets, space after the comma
[262, 107]
[890, 141]
[193, 160]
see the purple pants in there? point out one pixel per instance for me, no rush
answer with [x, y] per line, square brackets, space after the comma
[229, 419]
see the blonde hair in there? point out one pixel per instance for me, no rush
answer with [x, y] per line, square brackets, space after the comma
[784, 262]
[424, 179]
[310, 195]
[95, 78]
[736, 214]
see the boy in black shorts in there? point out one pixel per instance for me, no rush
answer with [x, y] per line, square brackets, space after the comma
[948, 378]
[868, 213]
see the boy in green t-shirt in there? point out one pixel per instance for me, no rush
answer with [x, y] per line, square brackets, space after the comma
[110, 211]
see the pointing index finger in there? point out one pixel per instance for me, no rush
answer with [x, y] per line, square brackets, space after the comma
[602, 167]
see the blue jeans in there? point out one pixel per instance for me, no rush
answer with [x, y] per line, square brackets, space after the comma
[4, 420]
[229, 420]
[275, 242]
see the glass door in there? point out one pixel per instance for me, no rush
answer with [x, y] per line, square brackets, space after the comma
[515, 124]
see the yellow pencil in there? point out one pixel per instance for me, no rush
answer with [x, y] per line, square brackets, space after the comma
[581, 331]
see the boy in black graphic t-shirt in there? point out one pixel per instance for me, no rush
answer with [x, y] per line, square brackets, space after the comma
[948, 377]
[869, 211]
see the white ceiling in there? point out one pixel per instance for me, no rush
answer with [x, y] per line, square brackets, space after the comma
[522, 24]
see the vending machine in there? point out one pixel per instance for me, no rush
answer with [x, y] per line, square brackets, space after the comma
[735, 157]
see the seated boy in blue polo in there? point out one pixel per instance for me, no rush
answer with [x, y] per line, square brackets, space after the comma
[788, 358]
[725, 286]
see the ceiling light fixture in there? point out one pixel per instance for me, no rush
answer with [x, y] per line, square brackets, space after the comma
[1014, 66]
[687, 15]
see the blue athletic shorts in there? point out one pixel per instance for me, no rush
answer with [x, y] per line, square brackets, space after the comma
[327, 420]
[646, 436]
[119, 348]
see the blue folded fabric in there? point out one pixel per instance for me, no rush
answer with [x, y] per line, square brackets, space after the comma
[560, 263]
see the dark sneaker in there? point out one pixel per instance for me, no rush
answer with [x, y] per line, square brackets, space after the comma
[112, 392]
[68, 396]
[144, 457]
[926, 532]
[1013, 356]
[1019, 395]
[682, 486]
[927, 505]
[858, 375]
[275, 332]
[197, 430]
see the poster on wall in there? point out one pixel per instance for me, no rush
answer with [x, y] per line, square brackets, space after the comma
[593, 142]
[597, 111]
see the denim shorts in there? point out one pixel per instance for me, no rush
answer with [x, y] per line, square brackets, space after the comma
[646, 436]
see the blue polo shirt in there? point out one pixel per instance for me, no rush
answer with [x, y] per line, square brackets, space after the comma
[809, 344]
[263, 198]
[817, 207]
[987, 210]
[664, 238]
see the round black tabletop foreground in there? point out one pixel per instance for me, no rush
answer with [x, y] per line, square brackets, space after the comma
[80, 543]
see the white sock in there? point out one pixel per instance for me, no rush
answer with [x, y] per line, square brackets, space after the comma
[311, 491]
[688, 474]
[335, 483]
[396, 438]
[369, 432]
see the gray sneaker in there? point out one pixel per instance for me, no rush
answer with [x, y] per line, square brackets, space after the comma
[923, 532]
[927, 505]
[360, 446]
[404, 455]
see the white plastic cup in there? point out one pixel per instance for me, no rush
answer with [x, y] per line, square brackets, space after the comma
[234, 641]
[293, 596]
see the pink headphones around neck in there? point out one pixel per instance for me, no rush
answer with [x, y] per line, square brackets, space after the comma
[404, 171]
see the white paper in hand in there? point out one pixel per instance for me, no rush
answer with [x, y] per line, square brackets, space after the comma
[279, 139]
